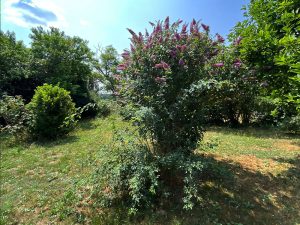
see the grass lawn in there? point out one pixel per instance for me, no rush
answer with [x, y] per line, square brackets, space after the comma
[264, 187]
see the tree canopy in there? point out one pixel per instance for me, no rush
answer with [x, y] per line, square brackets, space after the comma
[271, 46]
[14, 66]
[61, 59]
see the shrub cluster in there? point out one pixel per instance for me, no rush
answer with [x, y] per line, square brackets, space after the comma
[234, 101]
[15, 118]
[53, 110]
[50, 114]
[291, 124]
[130, 174]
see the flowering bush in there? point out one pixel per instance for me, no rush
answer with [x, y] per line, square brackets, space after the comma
[167, 77]
[234, 101]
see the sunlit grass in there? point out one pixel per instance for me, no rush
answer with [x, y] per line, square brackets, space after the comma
[265, 165]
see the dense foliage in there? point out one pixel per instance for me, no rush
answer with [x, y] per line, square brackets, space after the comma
[167, 78]
[130, 175]
[54, 113]
[15, 76]
[60, 59]
[168, 84]
[107, 68]
[291, 124]
[15, 118]
[271, 46]
[234, 102]
[128, 172]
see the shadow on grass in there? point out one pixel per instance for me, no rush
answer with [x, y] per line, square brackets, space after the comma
[249, 198]
[8, 140]
[297, 143]
[253, 198]
[68, 139]
[86, 124]
[272, 133]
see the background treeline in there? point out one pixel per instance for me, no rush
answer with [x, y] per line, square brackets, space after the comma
[54, 58]
[260, 68]
[68, 65]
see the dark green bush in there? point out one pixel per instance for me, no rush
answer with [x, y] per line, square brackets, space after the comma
[291, 124]
[101, 107]
[15, 117]
[127, 111]
[129, 174]
[262, 115]
[53, 110]
[233, 102]
[104, 108]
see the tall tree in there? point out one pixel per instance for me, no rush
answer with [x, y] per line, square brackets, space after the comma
[15, 76]
[107, 67]
[64, 60]
[271, 45]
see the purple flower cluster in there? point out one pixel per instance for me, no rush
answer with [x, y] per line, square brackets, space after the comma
[132, 48]
[183, 29]
[160, 80]
[173, 53]
[220, 38]
[205, 27]
[237, 41]
[125, 54]
[220, 64]
[132, 33]
[193, 26]
[177, 36]
[181, 48]
[166, 23]
[117, 76]
[177, 41]
[162, 65]
[237, 63]
[121, 67]
[181, 62]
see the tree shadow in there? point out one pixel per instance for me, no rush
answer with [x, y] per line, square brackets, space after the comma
[250, 197]
[45, 143]
[86, 124]
[297, 143]
[232, 194]
[255, 132]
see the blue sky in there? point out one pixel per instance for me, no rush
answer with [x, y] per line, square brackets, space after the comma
[104, 22]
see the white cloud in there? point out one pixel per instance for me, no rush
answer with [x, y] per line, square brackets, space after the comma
[27, 18]
[84, 23]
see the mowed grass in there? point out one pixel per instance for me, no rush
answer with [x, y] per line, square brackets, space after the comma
[34, 176]
[264, 186]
